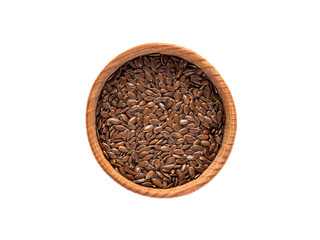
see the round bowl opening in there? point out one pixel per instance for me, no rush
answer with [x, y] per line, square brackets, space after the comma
[214, 77]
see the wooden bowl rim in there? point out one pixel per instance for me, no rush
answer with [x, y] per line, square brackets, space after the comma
[219, 83]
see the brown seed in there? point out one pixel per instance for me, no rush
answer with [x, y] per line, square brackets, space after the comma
[130, 177]
[191, 158]
[173, 147]
[205, 143]
[199, 169]
[218, 139]
[111, 154]
[143, 154]
[169, 122]
[132, 121]
[124, 117]
[120, 128]
[170, 160]
[201, 117]
[130, 86]
[165, 148]
[126, 167]
[160, 174]
[149, 175]
[105, 146]
[177, 96]
[198, 153]
[157, 164]
[196, 142]
[183, 131]
[132, 102]
[178, 151]
[214, 118]
[183, 121]
[203, 136]
[139, 180]
[164, 185]
[190, 118]
[180, 174]
[176, 118]
[177, 135]
[148, 128]
[192, 105]
[180, 161]
[156, 182]
[169, 167]
[191, 172]
[123, 149]
[134, 154]
[197, 148]
[219, 116]
[149, 77]
[154, 121]
[157, 129]
[146, 120]
[140, 87]
[148, 157]
[114, 120]
[175, 127]
[180, 141]
[137, 170]
[188, 138]
[150, 104]
[131, 94]
[143, 163]
[165, 133]
[176, 85]
[195, 130]
[149, 92]
[207, 120]
[186, 99]
[147, 184]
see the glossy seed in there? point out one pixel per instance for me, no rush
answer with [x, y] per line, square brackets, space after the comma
[156, 182]
[199, 169]
[165, 148]
[114, 120]
[123, 149]
[180, 141]
[157, 129]
[192, 172]
[186, 99]
[143, 163]
[154, 121]
[157, 164]
[203, 136]
[148, 128]
[183, 121]
[201, 117]
[177, 135]
[188, 137]
[169, 167]
[149, 175]
[149, 77]
[132, 121]
[178, 151]
[205, 143]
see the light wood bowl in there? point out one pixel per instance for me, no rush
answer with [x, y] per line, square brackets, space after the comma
[213, 75]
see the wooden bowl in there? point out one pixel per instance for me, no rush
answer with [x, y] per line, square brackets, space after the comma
[213, 75]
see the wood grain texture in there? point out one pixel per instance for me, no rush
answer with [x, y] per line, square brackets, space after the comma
[213, 75]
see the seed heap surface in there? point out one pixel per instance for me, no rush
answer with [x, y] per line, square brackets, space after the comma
[159, 121]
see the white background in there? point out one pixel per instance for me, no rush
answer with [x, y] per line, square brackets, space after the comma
[50, 184]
